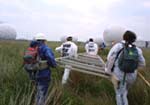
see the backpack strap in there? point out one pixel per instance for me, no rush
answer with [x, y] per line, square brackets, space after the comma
[117, 57]
[38, 58]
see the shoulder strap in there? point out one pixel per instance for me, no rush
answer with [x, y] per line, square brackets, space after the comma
[120, 50]
[38, 55]
[117, 57]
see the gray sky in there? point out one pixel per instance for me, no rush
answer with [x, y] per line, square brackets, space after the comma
[81, 18]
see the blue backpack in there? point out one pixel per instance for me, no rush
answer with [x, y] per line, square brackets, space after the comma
[128, 59]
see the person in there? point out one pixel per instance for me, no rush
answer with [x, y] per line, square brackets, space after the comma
[67, 48]
[123, 80]
[91, 47]
[102, 46]
[146, 44]
[43, 74]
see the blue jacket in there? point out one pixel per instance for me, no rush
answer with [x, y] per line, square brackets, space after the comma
[45, 53]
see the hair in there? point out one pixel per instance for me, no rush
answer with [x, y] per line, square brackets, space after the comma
[69, 38]
[33, 44]
[129, 37]
[91, 39]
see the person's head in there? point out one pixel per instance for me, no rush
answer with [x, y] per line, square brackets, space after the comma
[40, 37]
[69, 38]
[129, 37]
[91, 40]
[33, 44]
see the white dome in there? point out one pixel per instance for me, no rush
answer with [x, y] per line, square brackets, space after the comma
[63, 38]
[99, 41]
[75, 39]
[7, 32]
[113, 34]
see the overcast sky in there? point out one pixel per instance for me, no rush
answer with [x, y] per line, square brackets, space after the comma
[81, 18]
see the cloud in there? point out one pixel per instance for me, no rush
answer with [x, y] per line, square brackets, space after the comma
[82, 5]
[146, 4]
[79, 17]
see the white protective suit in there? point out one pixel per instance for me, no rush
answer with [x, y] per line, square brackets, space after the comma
[120, 89]
[68, 48]
[91, 48]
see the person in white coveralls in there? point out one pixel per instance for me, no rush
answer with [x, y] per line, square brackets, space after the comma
[68, 48]
[91, 47]
[121, 84]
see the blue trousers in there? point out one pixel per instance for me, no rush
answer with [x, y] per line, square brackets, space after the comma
[42, 88]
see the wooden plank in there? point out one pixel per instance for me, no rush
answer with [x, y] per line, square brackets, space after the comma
[85, 63]
[82, 65]
[92, 73]
[88, 55]
[85, 58]
[89, 72]
[98, 63]
[96, 57]
[89, 59]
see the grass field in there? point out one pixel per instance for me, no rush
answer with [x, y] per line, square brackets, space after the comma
[82, 89]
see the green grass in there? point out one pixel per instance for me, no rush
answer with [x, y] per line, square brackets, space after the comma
[82, 89]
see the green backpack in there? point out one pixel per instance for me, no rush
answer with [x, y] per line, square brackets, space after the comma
[128, 59]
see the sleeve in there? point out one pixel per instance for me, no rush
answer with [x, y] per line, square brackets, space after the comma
[111, 58]
[75, 48]
[141, 59]
[50, 57]
[96, 48]
[59, 49]
[86, 48]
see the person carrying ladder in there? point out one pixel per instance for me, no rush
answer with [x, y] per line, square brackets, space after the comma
[68, 48]
[91, 47]
[123, 60]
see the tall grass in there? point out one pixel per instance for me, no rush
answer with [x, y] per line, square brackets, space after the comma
[82, 89]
